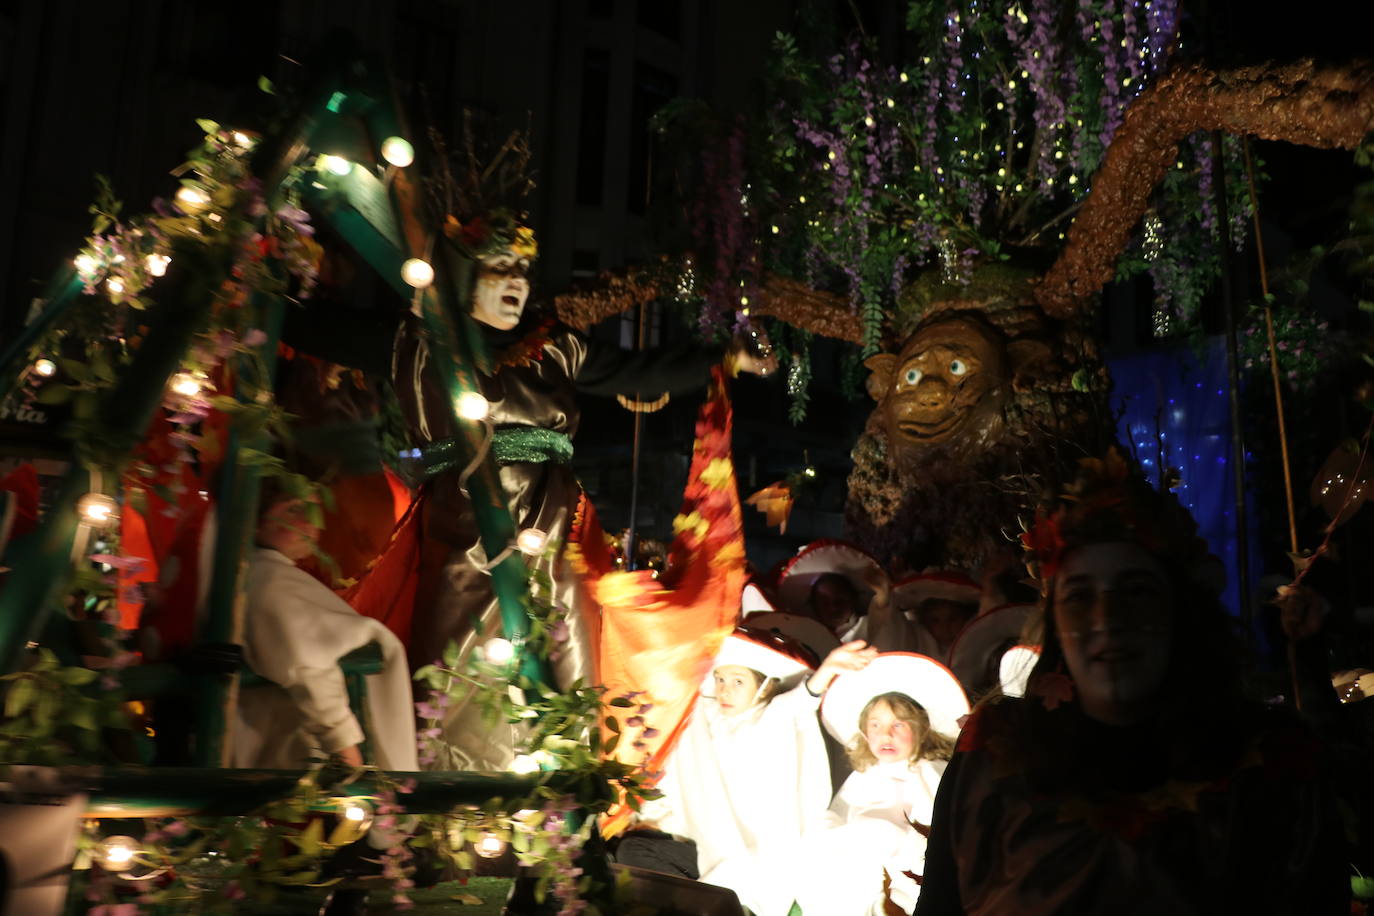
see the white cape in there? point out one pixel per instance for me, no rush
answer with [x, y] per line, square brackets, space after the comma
[840, 872]
[745, 789]
[295, 632]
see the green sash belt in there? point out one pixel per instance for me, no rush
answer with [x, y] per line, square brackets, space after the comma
[511, 445]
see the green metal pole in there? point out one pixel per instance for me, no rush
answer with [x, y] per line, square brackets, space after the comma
[235, 524]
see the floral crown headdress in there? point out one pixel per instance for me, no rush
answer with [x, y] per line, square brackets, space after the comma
[481, 196]
[1110, 500]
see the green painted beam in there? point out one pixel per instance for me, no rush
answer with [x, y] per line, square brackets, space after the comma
[236, 522]
[62, 293]
[182, 791]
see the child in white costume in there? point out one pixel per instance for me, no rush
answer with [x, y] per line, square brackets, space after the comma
[898, 718]
[750, 775]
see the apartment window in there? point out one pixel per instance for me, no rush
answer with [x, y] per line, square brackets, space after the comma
[653, 88]
[591, 140]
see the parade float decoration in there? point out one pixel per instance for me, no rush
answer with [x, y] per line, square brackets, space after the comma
[162, 340]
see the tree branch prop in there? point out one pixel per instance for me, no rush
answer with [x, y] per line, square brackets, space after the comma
[1301, 103]
[787, 300]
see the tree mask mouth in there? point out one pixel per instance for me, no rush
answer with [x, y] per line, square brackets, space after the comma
[944, 425]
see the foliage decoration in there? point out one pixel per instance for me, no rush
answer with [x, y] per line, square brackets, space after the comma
[979, 146]
[561, 735]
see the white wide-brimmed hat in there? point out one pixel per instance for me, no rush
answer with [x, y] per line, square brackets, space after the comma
[821, 557]
[770, 654]
[908, 594]
[811, 633]
[985, 634]
[920, 677]
[1014, 671]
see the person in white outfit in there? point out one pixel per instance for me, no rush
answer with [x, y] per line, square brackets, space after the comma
[898, 719]
[295, 631]
[749, 776]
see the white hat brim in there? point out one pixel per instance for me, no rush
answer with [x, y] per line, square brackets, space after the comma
[920, 677]
[738, 649]
[908, 594]
[968, 657]
[808, 631]
[1015, 668]
[814, 561]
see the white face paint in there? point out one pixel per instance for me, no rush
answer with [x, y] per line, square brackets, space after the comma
[502, 288]
[1112, 609]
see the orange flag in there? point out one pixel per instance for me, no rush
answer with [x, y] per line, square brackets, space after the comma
[659, 636]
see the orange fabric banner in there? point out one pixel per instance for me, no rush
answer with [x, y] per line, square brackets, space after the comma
[659, 636]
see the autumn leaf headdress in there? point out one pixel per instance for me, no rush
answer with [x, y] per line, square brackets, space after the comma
[480, 193]
[1110, 500]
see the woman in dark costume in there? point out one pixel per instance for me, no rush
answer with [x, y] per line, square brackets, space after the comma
[1134, 776]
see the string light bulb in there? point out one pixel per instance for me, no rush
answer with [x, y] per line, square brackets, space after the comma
[114, 286]
[472, 406]
[242, 140]
[185, 384]
[523, 765]
[498, 651]
[85, 264]
[531, 541]
[97, 509]
[157, 264]
[417, 272]
[116, 853]
[44, 367]
[337, 165]
[191, 198]
[398, 151]
[489, 845]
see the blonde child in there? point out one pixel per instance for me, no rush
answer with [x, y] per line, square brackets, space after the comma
[898, 719]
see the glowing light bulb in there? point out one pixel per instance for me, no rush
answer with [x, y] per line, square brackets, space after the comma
[85, 264]
[417, 273]
[338, 165]
[356, 812]
[472, 406]
[192, 198]
[523, 764]
[241, 140]
[157, 264]
[868, 121]
[489, 846]
[115, 853]
[398, 151]
[114, 285]
[902, 76]
[97, 509]
[776, 230]
[744, 300]
[45, 367]
[801, 199]
[498, 651]
[185, 384]
[531, 541]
